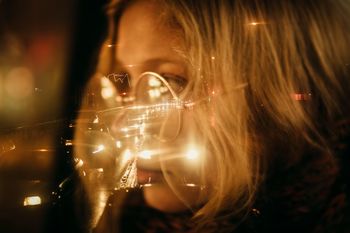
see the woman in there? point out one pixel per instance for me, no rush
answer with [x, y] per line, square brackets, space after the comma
[273, 81]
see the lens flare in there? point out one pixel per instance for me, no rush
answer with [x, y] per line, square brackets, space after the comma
[192, 154]
[146, 154]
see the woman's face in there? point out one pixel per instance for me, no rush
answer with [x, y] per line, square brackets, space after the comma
[144, 43]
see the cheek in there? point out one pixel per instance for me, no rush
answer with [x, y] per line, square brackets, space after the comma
[192, 162]
[174, 199]
[200, 158]
[162, 197]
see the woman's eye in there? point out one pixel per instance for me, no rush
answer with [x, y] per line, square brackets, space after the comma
[176, 82]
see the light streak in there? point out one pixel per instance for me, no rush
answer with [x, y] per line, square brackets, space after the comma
[99, 149]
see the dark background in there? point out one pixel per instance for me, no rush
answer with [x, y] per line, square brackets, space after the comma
[48, 51]
[48, 37]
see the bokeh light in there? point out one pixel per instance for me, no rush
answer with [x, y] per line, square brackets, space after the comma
[19, 83]
[32, 200]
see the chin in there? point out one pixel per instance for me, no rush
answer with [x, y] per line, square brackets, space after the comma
[162, 197]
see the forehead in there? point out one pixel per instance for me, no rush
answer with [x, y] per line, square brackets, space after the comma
[143, 35]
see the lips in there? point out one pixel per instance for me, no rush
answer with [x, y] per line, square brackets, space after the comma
[149, 176]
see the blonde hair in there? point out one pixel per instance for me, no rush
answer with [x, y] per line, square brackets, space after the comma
[284, 50]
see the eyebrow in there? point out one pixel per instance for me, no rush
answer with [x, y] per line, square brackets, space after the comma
[152, 61]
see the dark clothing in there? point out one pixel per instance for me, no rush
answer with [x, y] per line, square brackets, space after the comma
[313, 196]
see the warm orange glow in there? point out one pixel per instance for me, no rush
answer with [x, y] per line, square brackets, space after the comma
[107, 90]
[192, 154]
[146, 154]
[255, 23]
[43, 150]
[301, 96]
[68, 143]
[19, 83]
[127, 155]
[99, 149]
[118, 144]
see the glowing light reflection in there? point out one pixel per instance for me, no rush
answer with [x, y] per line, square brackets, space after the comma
[125, 129]
[96, 120]
[32, 200]
[80, 163]
[99, 149]
[154, 93]
[43, 150]
[146, 154]
[255, 23]
[192, 154]
[154, 82]
[108, 90]
[68, 142]
[127, 155]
